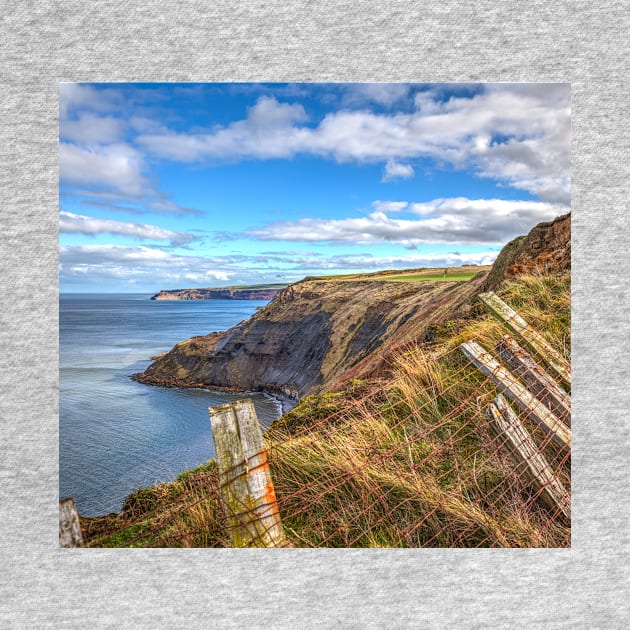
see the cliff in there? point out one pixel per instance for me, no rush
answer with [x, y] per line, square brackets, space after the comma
[310, 335]
[546, 249]
[226, 293]
[319, 333]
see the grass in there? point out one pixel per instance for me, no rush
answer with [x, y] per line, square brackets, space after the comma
[342, 276]
[437, 277]
[182, 513]
[406, 462]
[449, 274]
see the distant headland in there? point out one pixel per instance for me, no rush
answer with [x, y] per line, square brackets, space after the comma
[253, 292]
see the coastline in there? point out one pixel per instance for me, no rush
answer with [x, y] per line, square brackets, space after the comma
[284, 402]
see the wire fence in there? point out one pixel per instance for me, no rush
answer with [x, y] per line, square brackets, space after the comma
[433, 458]
[426, 470]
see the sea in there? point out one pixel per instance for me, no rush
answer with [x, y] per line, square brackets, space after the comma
[117, 435]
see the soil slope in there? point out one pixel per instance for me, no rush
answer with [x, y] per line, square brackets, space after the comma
[310, 335]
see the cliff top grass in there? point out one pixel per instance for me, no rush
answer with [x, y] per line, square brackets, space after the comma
[400, 462]
[438, 274]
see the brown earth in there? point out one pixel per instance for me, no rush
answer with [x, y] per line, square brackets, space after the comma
[546, 249]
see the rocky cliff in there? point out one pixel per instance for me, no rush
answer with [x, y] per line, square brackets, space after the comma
[319, 333]
[311, 334]
[228, 293]
[547, 249]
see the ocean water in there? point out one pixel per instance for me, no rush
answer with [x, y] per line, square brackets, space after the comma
[116, 435]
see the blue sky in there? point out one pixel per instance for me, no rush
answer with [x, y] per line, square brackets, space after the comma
[166, 186]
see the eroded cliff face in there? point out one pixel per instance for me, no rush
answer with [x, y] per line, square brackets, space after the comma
[547, 248]
[313, 333]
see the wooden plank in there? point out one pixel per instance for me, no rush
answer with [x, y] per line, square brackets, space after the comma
[538, 343]
[513, 389]
[529, 462]
[246, 485]
[69, 527]
[536, 378]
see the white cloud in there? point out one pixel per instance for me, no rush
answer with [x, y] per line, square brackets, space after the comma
[389, 206]
[384, 94]
[516, 134]
[117, 166]
[142, 124]
[442, 221]
[90, 129]
[269, 131]
[95, 163]
[395, 170]
[146, 265]
[76, 223]
[162, 204]
[81, 96]
[156, 202]
[155, 269]
[369, 263]
[208, 275]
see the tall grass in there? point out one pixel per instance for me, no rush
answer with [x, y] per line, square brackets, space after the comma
[404, 463]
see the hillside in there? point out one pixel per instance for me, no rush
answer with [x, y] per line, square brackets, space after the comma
[405, 460]
[318, 332]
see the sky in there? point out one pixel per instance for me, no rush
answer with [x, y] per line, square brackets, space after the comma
[181, 185]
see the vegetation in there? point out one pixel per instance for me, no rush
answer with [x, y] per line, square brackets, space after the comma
[182, 513]
[450, 274]
[405, 462]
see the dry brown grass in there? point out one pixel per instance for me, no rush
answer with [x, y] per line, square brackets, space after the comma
[407, 463]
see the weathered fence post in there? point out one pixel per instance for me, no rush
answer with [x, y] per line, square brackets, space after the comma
[538, 343]
[510, 386]
[246, 486]
[527, 458]
[536, 378]
[69, 526]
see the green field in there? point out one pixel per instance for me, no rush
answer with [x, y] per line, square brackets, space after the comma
[453, 274]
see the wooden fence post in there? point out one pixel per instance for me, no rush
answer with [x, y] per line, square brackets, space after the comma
[536, 378]
[528, 460]
[538, 343]
[246, 486]
[510, 386]
[69, 526]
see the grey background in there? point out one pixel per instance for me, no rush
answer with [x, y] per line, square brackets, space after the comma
[579, 42]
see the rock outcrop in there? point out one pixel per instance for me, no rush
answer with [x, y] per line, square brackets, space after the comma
[547, 248]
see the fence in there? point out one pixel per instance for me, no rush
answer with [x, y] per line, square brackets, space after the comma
[438, 457]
